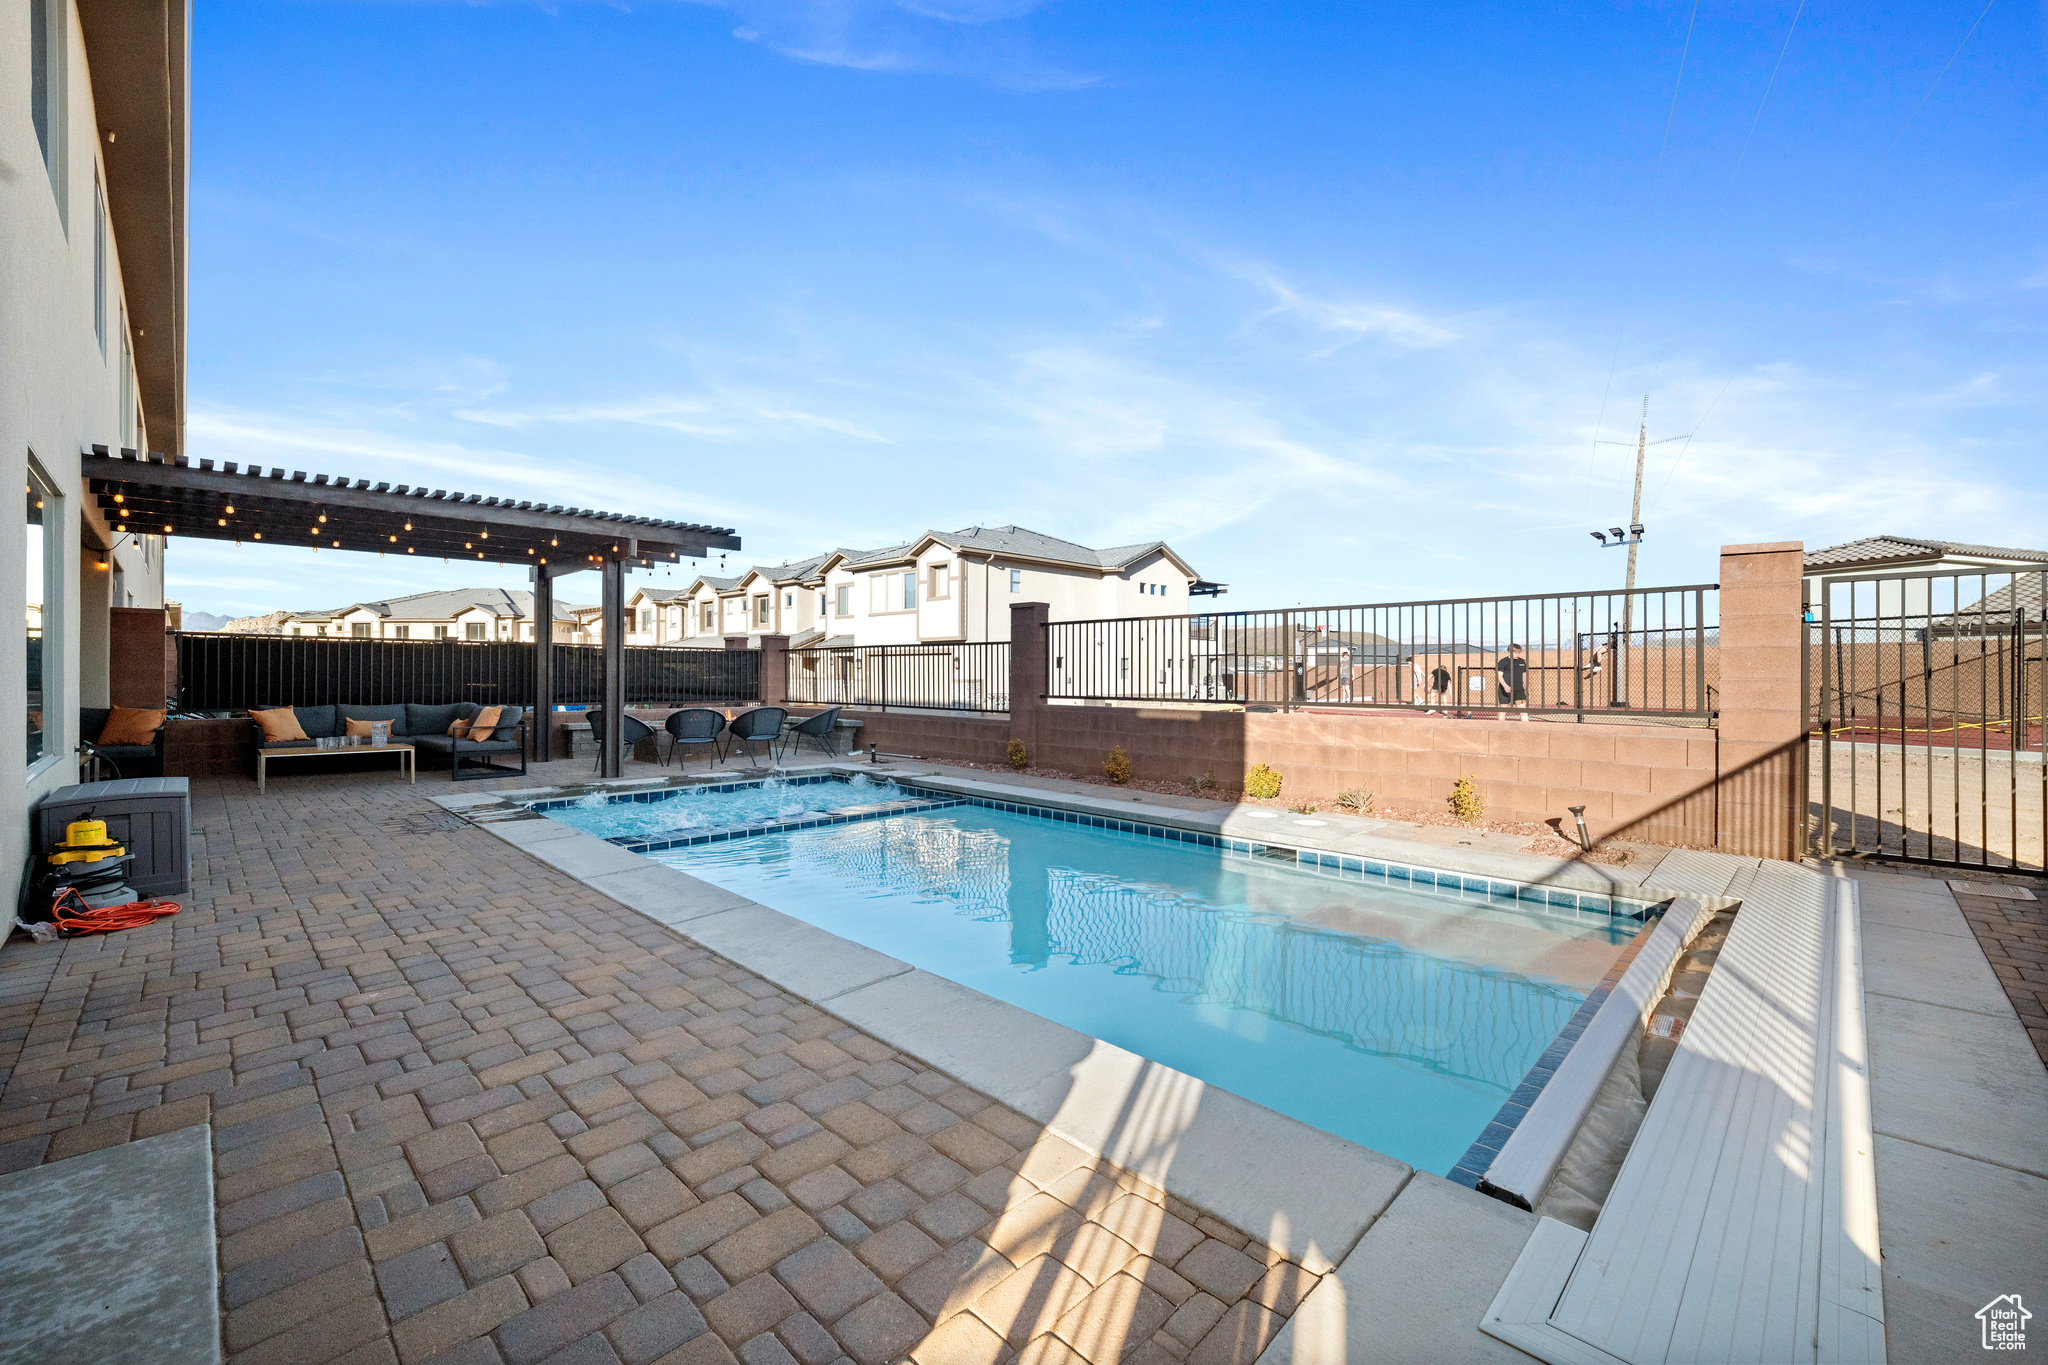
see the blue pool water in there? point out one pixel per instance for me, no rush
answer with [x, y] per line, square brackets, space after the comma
[687, 810]
[1398, 1019]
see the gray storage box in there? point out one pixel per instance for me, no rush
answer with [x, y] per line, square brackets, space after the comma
[151, 815]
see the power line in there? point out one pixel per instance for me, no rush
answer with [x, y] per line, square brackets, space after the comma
[1679, 458]
[1768, 85]
[1927, 95]
[1670, 116]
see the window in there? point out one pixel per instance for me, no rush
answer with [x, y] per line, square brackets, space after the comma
[44, 574]
[99, 265]
[127, 384]
[789, 599]
[49, 22]
[646, 619]
[821, 605]
[708, 623]
[440, 632]
[1016, 580]
[472, 630]
[845, 607]
[401, 632]
[942, 581]
[360, 630]
[528, 629]
[297, 631]
[909, 591]
[761, 610]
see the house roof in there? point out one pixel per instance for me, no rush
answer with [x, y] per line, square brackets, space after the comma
[1013, 542]
[1883, 550]
[1993, 610]
[447, 604]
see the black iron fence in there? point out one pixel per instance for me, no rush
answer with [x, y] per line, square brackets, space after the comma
[1652, 653]
[972, 677]
[231, 672]
[1927, 696]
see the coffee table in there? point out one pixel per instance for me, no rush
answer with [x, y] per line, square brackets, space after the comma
[404, 752]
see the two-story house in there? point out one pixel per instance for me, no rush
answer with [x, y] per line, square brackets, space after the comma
[472, 615]
[93, 149]
[943, 587]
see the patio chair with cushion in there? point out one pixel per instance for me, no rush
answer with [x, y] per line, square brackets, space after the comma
[817, 729]
[693, 725]
[762, 725]
[127, 741]
[631, 731]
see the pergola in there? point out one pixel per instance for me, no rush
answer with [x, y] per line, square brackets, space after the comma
[149, 494]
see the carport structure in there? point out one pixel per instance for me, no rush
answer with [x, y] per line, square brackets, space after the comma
[157, 495]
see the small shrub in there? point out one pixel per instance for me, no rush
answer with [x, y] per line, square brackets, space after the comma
[1309, 809]
[1357, 801]
[1466, 802]
[1117, 767]
[1204, 784]
[1262, 782]
[1019, 758]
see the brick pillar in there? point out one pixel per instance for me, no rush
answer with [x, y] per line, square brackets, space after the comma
[1763, 708]
[142, 664]
[735, 642]
[1028, 671]
[774, 669]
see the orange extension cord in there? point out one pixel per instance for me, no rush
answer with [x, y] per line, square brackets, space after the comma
[73, 916]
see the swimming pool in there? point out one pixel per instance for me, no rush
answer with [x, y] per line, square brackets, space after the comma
[1344, 997]
[668, 816]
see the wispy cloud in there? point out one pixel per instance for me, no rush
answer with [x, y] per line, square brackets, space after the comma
[973, 39]
[725, 419]
[1347, 319]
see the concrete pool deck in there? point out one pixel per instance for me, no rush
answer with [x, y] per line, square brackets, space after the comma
[395, 1027]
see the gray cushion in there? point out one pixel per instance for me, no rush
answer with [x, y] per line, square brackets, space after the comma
[435, 744]
[435, 720]
[394, 714]
[317, 721]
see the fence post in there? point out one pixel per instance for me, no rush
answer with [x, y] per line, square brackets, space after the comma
[1030, 674]
[1762, 709]
[774, 687]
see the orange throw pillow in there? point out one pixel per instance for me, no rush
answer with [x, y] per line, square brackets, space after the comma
[368, 728]
[131, 725]
[480, 728]
[279, 724]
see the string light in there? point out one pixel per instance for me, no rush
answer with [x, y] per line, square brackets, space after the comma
[231, 509]
[323, 516]
[221, 522]
[119, 498]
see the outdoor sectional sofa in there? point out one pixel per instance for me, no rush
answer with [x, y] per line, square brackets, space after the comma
[426, 729]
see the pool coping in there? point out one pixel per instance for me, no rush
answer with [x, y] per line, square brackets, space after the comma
[1309, 1192]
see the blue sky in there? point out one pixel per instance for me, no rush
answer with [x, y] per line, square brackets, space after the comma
[1338, 299]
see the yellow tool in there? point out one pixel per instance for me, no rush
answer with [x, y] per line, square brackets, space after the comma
[85, 841]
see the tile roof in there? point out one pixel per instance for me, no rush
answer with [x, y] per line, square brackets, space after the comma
[1888, 549]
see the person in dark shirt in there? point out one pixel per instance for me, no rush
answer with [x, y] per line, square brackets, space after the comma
[1439, 685]
[1512, 674]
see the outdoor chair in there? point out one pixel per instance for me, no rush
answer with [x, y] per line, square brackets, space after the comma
[762, 725]
[817, 729]
[692, 725]
[631, 731]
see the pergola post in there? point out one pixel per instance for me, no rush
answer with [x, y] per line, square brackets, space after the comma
[543, 728]
[612, 699]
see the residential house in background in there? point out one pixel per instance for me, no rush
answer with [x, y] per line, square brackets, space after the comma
[943, 587]
[92, 344]
[471, 615]
[1986, 579]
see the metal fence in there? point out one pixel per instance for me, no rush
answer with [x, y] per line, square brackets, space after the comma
[1653, 653]
[1927, 693]
[972, 677]
[232, 672]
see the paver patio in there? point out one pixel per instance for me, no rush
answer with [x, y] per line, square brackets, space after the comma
[465, 1109]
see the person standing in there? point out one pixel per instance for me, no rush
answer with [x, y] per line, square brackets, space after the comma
[1512, 687]
[1439, 685]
